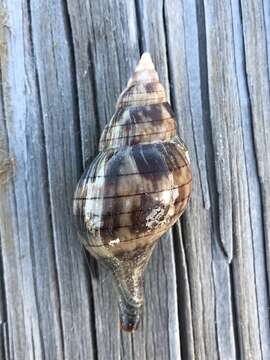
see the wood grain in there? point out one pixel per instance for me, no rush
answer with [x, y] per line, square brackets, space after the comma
[63, 64]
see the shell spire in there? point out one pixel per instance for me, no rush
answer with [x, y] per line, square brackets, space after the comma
[144, 86]
[143, 114]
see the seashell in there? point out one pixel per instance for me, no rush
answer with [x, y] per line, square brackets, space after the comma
[135, 189]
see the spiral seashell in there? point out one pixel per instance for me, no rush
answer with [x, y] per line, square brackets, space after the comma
[135, 189]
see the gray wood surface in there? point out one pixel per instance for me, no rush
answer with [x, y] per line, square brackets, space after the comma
[63, 64]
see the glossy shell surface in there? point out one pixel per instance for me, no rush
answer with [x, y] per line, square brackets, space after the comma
[140, 182]
[137, 186]
[132, 195]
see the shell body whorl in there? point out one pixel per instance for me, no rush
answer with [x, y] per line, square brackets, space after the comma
[136, 188]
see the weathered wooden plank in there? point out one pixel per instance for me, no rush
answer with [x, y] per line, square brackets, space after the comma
[256, 20]
[60, 119]
[184, 63]
[47, 301]
[255, 199]
[228, 150]
[222, 246]
[19, 239]
[236, 180]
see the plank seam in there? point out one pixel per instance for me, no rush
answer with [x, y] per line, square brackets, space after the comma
[139, 26]
[234, 315]
[93, 82]
[185, 342]
[2, 283]
[3, 303]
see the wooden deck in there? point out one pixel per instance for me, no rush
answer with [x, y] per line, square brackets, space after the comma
[63, 65]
